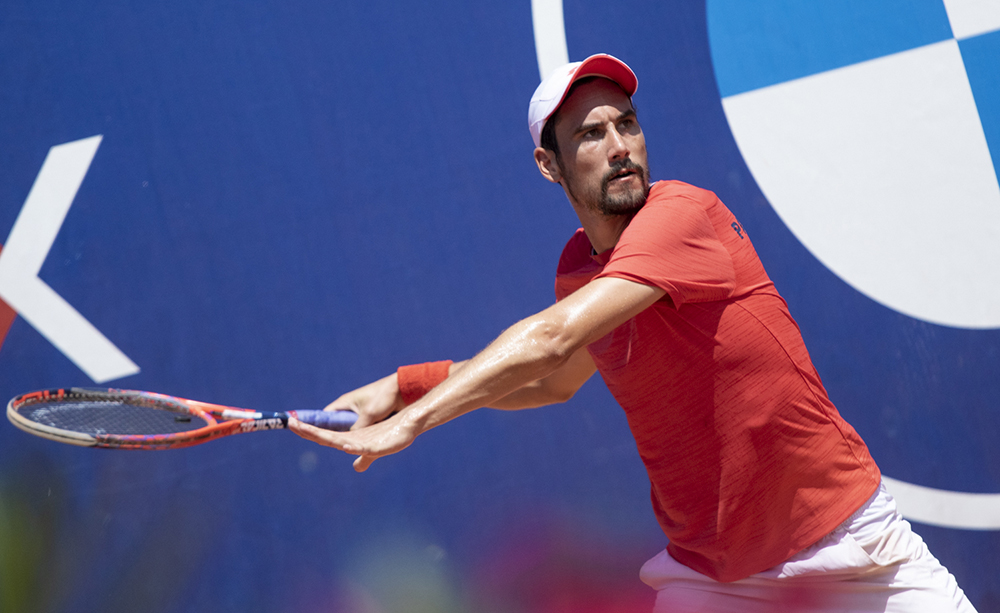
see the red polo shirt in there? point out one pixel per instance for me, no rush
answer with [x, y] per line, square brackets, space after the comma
[749, 460]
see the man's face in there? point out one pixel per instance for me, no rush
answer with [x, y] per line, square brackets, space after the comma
[602, 149]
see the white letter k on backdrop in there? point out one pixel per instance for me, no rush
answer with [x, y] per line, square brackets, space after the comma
[24, 252]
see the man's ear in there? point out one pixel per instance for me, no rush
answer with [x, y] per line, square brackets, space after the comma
[547, 164]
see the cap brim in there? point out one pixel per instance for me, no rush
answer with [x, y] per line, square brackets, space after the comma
[600, 66]
[608, 67]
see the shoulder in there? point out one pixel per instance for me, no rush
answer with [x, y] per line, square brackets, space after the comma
[673, 210]
[576, 266]
[576, 253]
[678, 193]
[680, 208]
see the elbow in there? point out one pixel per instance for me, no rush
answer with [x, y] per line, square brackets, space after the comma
[560, 396]
[553, 343]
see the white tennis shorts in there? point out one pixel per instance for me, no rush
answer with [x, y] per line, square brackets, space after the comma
[871, 563]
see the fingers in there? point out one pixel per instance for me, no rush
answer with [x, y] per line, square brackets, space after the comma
[365, 419]
[370, 444]
[329, 438]
[346, 403]
[373, 403]
[380, 404]
[340, 404]
[362, 463]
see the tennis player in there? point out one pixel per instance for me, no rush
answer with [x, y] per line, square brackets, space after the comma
[770, 501]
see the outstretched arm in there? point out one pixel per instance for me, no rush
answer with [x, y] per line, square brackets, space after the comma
[527, 352]
[379, 399]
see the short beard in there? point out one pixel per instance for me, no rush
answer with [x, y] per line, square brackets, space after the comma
[621, 204]
[632, 200]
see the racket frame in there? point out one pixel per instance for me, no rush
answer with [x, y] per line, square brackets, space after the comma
[221, 420]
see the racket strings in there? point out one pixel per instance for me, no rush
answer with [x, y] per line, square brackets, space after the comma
[118, 417]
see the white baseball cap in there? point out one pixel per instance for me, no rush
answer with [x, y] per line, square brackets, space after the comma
[552, 91]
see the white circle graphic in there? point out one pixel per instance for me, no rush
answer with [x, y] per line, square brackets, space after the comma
[882, 170]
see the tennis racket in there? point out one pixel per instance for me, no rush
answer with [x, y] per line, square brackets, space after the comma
[127, 419]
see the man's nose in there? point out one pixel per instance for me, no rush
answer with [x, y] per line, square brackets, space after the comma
[617, 149]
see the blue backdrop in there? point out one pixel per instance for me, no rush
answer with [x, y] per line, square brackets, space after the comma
[291, 199]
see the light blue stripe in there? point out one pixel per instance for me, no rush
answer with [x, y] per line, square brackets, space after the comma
[981, 55]
[759, 43]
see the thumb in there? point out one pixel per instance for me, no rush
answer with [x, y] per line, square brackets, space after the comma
[362, 463]
[364, 420]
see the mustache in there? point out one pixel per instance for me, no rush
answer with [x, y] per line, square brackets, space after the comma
[620, 166]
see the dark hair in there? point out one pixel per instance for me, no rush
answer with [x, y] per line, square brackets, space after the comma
[548, 137]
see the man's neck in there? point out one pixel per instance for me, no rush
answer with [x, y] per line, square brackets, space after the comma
[603, 231]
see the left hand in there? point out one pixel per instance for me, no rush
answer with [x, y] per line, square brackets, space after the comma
[369, 443]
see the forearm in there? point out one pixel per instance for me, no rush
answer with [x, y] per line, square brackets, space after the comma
[497, 376]
[529, 396]
[540, 360]
[555, 388]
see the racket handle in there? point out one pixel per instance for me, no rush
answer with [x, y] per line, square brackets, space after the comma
[328, 420]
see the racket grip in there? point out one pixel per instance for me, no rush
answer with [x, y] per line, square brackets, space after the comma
[328, 420]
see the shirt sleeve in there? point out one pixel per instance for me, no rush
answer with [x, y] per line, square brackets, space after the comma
[672, 244]
[576, 267]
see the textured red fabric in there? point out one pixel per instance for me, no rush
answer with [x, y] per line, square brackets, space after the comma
[417, 379]
[748, 459]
